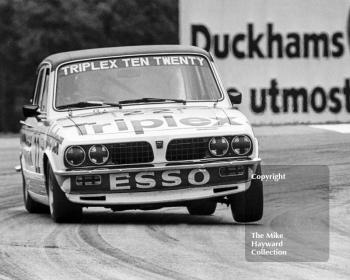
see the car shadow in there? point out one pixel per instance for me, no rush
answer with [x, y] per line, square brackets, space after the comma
[156, 218]
[135, 217]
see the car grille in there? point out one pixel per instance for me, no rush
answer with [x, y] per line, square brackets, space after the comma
[194, 148]
[187, 149]
[130, 152]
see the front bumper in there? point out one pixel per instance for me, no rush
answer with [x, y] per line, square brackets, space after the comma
[157, 197]
[107, 197]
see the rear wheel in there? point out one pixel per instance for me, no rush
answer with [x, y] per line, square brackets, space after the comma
[248, 206]
[30, 204]
[202, 207]
[61, 209]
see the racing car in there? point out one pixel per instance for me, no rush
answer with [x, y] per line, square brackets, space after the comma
[140, 127]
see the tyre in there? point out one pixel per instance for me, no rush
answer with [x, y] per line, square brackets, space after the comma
[248, 206]
[61, 209]
[202, 207]
[30, 204]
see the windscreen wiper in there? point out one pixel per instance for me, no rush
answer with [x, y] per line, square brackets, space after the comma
[152, 99]
[83, 104]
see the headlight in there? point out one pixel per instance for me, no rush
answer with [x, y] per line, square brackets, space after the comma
[98, 154]
[241, 145]
[75, 155]
[218, 146]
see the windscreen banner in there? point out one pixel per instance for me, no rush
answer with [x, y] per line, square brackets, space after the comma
[290, 59]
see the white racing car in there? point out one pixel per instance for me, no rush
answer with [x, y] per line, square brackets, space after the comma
[137, 128]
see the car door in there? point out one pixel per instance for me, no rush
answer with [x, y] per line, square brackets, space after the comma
[28, 131]
[42, 125]
[35, 129]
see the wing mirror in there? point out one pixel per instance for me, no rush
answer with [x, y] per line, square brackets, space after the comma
[235, 96]
[30, 111]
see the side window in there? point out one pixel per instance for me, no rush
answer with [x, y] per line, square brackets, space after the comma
[39, 84]
[45, 88]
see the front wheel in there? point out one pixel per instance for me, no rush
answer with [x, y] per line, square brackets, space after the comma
[61, 209]
[30, 204]
[248, 206]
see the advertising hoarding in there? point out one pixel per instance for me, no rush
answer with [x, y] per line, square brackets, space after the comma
[290, 59]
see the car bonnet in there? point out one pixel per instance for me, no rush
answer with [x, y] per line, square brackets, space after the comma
[143, 121]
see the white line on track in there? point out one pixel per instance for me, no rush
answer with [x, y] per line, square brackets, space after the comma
[341, 128]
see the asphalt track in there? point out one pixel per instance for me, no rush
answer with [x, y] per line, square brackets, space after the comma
[169, 243]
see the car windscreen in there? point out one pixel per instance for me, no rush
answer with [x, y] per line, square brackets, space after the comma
[113, 80]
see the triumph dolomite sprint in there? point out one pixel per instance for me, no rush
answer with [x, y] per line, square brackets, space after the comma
[137, 128]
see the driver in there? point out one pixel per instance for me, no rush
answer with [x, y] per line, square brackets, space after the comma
[80, 87]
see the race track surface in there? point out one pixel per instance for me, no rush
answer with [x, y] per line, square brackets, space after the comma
[169, 243]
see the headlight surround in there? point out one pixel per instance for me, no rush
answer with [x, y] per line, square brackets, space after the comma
[218, 146]
[98, 154]
[241, 145]
[75, 156]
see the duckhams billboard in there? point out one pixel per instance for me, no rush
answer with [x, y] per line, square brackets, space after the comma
[290, 59]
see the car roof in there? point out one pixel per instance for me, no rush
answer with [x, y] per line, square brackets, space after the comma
[59, 58]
